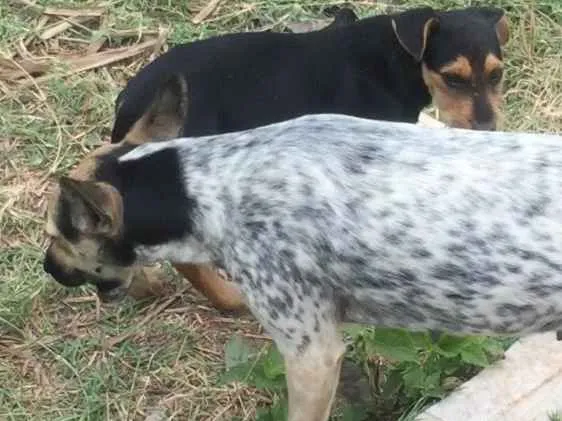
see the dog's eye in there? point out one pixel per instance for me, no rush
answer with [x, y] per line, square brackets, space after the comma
[455, 81]
[495, 76]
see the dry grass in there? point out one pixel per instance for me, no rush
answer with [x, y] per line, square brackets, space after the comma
[61, 66]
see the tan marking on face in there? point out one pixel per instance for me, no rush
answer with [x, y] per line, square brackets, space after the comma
[494, 92]
[492, 63]
[455, 109]
[459, 67]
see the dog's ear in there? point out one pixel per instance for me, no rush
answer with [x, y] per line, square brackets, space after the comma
[93, 207]
[164, 117]
[344, 16]
[168, 110]
[412, 29]
[498, 18]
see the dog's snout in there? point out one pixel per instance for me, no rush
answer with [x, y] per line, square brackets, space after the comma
[51, 268]
[59, 274]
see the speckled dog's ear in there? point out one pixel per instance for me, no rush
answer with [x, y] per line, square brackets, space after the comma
[90, 207]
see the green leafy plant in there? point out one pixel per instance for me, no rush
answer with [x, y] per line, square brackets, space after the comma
[418, 370]
[415, 371]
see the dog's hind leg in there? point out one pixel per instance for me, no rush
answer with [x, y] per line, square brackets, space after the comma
[312, 379]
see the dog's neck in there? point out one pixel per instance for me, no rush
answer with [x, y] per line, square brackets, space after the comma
[158, 213]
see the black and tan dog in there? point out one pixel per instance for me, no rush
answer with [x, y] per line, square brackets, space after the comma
[387, 67]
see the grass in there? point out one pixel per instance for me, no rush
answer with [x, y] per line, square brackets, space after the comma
[555, 416]
[55, 361]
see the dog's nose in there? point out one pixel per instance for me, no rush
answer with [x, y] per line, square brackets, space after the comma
[49, 267]
[63, 277]
[484, 125]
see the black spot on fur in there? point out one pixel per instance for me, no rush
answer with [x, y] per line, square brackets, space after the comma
[305, 342]
[393, 239]
[511, 268]
[421, 253]
[279, 305]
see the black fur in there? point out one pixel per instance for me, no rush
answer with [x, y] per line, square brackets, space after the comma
[244, 80]
[146, 187]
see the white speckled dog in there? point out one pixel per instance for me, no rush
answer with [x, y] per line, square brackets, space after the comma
[327, 219]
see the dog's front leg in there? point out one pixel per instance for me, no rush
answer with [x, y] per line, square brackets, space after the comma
[312, 379]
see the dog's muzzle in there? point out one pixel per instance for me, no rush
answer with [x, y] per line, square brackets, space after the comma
[108, 290]
[65, 278]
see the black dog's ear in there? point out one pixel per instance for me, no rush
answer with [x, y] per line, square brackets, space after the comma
[170, 103]
[498, 18]
[162, 119]
[344, 16]
[412, 28]
[93, 208]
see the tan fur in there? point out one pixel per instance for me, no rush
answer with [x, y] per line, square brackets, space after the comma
[426, 31]
[491, 63]
[459, 67]
[494, 93]
[312, 379]
[163, 119]
[454, 109]
[502, 30]
[145, 129]
[221, 293]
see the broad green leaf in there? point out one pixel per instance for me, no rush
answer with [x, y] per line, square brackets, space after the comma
[273, 365]
[239, 373]
[422, 340]
[414, 378]
[450, 346]
[236, 352]
[261, 381]
[354, 413]
[474, 354]
[432, 384]
[392, 384]
[394, 344]
[354, 330]
[494, 347]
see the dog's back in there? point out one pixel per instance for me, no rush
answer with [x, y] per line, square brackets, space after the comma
[421, 228]
[234, 83]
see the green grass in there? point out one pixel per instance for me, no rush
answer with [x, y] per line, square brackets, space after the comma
[54, 360]
[555, 416]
